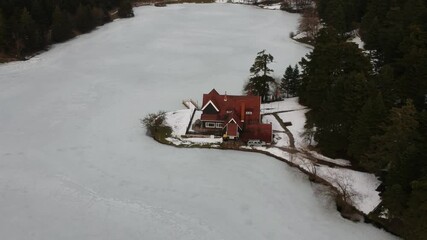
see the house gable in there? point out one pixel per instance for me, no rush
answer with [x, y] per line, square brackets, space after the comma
[210, 108]
[233, 121]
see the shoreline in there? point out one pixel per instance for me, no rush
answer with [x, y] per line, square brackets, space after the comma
[4, 58]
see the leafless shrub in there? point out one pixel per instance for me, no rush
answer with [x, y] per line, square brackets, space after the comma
[309, 23]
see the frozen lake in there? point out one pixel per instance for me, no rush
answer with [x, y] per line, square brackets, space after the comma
[76, 164]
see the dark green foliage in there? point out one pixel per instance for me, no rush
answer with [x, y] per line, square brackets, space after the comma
[335, 86]
[335, 16]
[84, 20]
[366, 126]
[125, 9]
[261, 64]
[61, 26]
[40, 15]
[388, 135]
[2, 32]
[341, 14]
[386, 149]
[412, 67]
[27, 26]
[332, 59]
[291, 81]
[259, 86]
[416, 214]
[28, 36]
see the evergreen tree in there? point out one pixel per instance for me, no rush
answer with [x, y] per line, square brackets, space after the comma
[40, 15]
[259, 86]
[416, 215]
[25, 26]
[125, 9]
[334, 85]
[61, 26]
[367, 125]
[99, 17]
[286, 81]
[28, 33]
[335, 16]
[261, 64]
[413, 12]
[386, 149]
[386, 83]
[84, 19]
[290, 81]
[413, 67]
[332, 59]
[2, 32]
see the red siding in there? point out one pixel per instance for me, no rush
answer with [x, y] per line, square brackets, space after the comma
[236, 107]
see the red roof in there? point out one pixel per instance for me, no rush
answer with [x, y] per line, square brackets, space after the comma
[246, 108]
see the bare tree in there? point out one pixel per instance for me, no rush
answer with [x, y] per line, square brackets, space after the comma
[308, 134]
[297, 5]
[343, 182]
[311, 166]
[309, 23]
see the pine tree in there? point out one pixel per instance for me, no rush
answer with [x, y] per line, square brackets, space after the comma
[259, 86]
[416, 215]
[40, 15]
[84, 20]
[332, 59]
[125, 9]
[367, 124]
[28, 33]
[61, 26]
[261, 64]
[286, 82]
[2, 32]
[290, 81]
[386, 149]
[98, 16]
[413, 66]
[335, 15]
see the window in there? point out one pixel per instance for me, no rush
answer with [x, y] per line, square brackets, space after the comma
[219, 125]
[248, 112]
[210, 125]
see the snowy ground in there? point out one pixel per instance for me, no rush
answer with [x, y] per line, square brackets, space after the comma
[76, 164]
[178, 121]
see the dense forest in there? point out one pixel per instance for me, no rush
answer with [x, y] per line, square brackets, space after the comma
[370, 106]
[28, 26]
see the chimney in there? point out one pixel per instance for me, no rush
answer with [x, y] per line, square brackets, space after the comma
[225, 96]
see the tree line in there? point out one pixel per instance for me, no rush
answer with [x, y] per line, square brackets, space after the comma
[371, 106]
[28, 26]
